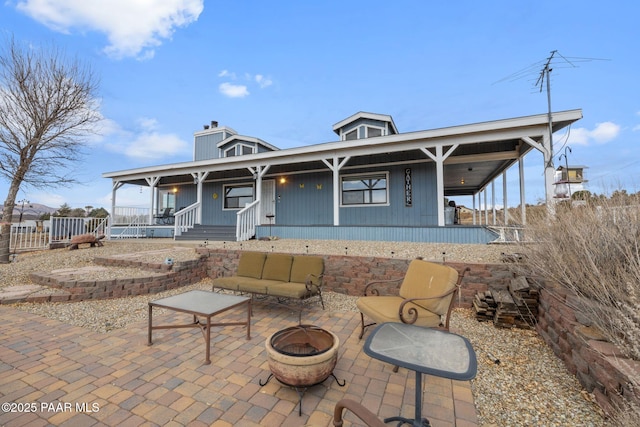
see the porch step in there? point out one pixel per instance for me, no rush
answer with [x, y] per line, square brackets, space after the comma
[210, 232]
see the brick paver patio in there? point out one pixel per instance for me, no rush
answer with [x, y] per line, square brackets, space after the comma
[57, 374]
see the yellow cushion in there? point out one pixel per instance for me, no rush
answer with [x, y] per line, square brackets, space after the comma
[382, 309]
[427, 279]
[251, 264]
[277, 267]
[230, 283]
[255, 286]
[288, 290]
[305, 265]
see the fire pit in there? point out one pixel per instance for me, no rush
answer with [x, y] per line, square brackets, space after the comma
[302, 356]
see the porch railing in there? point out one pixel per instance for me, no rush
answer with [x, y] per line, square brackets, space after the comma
[130, 215]
[134, 230]
[185, 218]
[246, 221]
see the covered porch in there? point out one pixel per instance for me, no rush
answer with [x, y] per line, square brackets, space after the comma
[299, 192]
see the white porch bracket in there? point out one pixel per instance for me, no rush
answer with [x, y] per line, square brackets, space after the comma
[198, 179]
[439, 157]
[152, 181]
[258, 172]
[335, 165]
[115, 186]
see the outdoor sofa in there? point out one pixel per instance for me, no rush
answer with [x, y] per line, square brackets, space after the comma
[283, 276]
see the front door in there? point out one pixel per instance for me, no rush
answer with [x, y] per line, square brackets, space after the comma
[268, 202]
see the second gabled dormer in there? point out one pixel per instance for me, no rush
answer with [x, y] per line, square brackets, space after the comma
[365, 125]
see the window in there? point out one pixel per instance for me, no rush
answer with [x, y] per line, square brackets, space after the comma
[246, 149]
[236, 196]
[167, 199]
[372, 132]
[230, 152]
[370, 189]
[349, 136]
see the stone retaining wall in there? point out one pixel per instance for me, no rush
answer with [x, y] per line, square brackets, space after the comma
[599, 365]
[162, 277]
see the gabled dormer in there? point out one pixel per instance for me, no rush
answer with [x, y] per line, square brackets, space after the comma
[239, 145]
[365, 125]
[214, 142]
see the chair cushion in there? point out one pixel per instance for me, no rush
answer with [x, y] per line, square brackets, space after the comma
[305, 265]
[250, 264]
[255, 286]
[277, 267]
[288, 290]
[230, 283]
[386, 309]
[427, 279]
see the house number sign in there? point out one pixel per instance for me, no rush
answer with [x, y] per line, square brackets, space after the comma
[408, 191]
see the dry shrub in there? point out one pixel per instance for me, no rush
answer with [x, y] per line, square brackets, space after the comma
[593, 251]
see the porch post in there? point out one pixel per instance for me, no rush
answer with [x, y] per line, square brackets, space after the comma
[439, 159]
[493, 200]
[152, 181]
[523, 207]
[335, 165]
[504, 197]
[198, 179]
[114, 188]
[474, 208]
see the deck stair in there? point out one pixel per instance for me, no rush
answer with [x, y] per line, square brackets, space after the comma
[209, 232]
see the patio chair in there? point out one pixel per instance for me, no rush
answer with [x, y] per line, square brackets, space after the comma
[366, 416]
[425, 297]
[166, 217]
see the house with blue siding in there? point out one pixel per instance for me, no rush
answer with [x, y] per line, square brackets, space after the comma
[372, 183]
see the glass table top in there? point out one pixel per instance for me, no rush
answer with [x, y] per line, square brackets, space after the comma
[430, 351]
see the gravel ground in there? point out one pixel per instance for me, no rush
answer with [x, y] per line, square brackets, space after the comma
[528, 385]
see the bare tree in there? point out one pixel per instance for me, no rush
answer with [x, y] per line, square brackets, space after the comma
[48, 110]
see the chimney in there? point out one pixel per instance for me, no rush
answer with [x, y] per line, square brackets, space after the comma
[214, 124]
[205, 127]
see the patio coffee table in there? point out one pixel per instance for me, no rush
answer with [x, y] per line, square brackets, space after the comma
[425, 351]
[204, 304]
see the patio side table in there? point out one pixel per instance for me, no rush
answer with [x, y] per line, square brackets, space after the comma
[425, 351]
[204, 304]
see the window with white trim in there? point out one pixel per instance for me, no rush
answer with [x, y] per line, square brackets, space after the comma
[365, 189]
[350, 136]
[236, 196]
[373, 132]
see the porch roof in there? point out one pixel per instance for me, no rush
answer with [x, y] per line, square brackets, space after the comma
[484, 150]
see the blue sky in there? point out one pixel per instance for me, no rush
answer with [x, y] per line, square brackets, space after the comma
[287, 71]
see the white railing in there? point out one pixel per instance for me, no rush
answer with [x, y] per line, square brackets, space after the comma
[185, 219]
[508, 234]
[130, 215]
[64, 228]
[135, 230]
[246, 221]
[29, 236]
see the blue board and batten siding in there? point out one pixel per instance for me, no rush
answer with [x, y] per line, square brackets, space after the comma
[465, 234]
[304, 208]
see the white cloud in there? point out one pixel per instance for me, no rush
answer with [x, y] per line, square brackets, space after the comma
[601, 134]
[145, 142]
[134, 28]
[240, 91]
[233, 91]
[263, 81]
